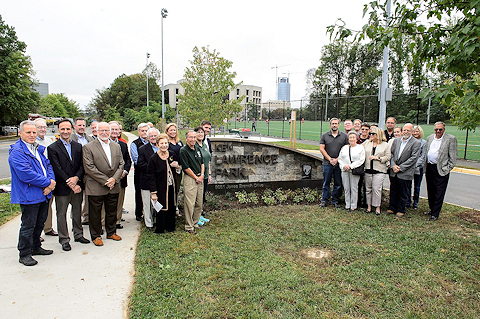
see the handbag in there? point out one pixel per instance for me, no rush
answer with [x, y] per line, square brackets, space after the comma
[357, 170]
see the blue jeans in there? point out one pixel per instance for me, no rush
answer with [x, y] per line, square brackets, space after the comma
[33, 220]
[328, 172]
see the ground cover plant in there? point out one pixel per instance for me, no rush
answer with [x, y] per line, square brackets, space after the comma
[298, 260]
[7, 212]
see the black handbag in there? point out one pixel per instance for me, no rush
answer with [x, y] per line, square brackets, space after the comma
[357, 170]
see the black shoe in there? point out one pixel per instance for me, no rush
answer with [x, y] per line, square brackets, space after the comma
[41, 251]
[51, 233]
[377, 213]
[119, 226]
[427, 213]
[323, 204]
[82, 240]
[66, 247]
[122, 220]
[433, 218]
[139, 218]
[27, 261]
[85, 223]
[336, 205]
[101, 233]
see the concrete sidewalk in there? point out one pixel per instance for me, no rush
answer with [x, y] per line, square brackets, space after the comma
[86, 282]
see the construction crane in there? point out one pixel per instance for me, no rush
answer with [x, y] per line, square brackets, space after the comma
[276, 77]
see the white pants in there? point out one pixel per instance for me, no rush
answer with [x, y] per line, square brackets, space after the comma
[350, 187]
[147, 208]
[374, 186]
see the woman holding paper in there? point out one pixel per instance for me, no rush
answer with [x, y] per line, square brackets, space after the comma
[162, 184]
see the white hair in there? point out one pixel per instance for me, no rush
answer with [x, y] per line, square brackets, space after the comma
[150, 130]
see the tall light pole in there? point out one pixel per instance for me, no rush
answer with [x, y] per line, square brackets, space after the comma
[146, 71]
[164, 15]
[382, 112]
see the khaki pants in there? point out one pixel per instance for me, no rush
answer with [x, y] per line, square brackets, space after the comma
[374, 185]
[193, 195]
[48, 223]
[147, 208]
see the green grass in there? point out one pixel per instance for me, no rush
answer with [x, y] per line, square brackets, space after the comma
[298, 145]
[312, 130]
[5, 213]
[251, 263]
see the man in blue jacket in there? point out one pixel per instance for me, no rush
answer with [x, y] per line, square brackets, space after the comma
[32, 184]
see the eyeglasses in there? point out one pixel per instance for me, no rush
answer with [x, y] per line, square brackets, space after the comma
[103, 131]
[373, 133]
[365, 129]
[438, 130]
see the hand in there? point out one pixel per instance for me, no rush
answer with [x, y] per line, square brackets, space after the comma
[346, 168]
[72, 181]
[372, 157]
[110, 183]
[154, 197]
[209, 179]
[77, 189]
[199, 179]
[123, 174]
[334, 161]
[396, 169]
[47, 191]
[174, 164]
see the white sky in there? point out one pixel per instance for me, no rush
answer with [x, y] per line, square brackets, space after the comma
[79, 46]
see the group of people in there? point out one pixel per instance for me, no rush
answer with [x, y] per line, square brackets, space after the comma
[360, 158]
[89, 172]
[161, 161]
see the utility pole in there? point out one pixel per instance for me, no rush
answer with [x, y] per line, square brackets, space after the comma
[382, 112]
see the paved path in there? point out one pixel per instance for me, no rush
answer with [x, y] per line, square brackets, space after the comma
[86, 282]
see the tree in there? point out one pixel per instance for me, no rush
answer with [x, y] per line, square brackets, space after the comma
[70, 106]
[50, 106]
[17, 97]
[441, 35]
[208, 82]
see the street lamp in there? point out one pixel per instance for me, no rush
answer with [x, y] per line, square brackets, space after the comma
[146, 71]
[164, 15]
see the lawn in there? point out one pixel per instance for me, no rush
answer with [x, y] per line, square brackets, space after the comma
[296, 261]
[5, 213]
[312, 130]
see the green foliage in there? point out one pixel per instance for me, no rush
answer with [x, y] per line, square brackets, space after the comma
[208, 83]
[70, 106]
[17, 98]
[440, 35]
[465, 104]
[50, 106]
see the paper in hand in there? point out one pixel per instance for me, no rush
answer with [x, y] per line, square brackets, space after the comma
[156, 205]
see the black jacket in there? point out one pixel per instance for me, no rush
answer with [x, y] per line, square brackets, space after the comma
[127, 160]
[144, 154]
[64, 167]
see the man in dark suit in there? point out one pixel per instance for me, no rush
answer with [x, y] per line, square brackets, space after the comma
[441, 155]
[144, 154]
[65, 156]
[134, 147]
[405, 152]
[103, 164]
[115, 136]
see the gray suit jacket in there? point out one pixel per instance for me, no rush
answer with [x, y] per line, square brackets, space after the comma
[98, 170]
[407, 160]
[447, 154]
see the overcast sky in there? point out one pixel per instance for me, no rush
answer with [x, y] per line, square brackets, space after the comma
[80, 46]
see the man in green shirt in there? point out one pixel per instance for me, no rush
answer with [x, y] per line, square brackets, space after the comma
[192, 164]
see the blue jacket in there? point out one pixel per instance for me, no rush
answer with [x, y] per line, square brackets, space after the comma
[28, 180]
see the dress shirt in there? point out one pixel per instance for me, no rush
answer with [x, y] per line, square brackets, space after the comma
[33, 149]
[68, 147]
[403, 143]
[106, 148]
[432, 156]
[134, 151]
[155, 149]
[117, 141]
[82, 140]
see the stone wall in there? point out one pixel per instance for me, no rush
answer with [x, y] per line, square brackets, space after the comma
[259, 165]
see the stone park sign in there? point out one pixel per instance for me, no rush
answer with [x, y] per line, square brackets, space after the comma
[253, 165]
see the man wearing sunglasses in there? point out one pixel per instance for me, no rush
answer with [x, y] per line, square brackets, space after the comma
[442, 151]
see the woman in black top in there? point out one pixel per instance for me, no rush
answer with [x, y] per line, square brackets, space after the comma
[174, 146]
[161, 183]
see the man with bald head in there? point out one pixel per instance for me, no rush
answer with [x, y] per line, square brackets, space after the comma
[405, 152]
[103, 163]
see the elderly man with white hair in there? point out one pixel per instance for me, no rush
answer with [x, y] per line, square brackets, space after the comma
[45, 141]
[144, 154]
[103, 163]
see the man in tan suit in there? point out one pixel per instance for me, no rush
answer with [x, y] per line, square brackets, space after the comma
[103, 163]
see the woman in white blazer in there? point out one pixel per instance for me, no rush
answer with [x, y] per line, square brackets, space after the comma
[377, 157]
[351, 156]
